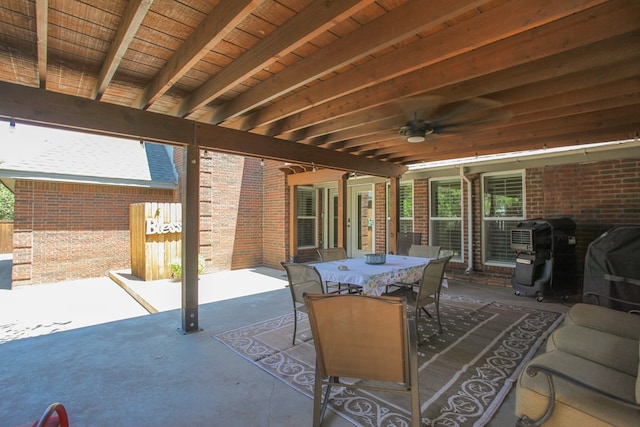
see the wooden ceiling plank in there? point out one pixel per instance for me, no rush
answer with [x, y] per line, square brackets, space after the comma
[582, 80]
[559, 128]
[133, 17]
[303, 27]
[216, 26]
[555, 39]
[604, 134]
[486, 28]
[38, 106]
[398, 24]
[42, 31]
[533, 108]
[574, 108]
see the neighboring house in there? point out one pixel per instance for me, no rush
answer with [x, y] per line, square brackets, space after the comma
[72, 196]
[72, 206]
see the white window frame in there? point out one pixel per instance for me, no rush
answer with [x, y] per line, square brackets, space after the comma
[433, 219]
[406, 219]
[512, 219]
[313, 217]
[413, 207]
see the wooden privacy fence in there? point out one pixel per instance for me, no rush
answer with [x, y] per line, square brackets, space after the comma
[156, 233]
[6, 237]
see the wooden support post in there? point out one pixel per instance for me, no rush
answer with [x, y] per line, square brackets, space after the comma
[342, 211]
[190, 240]
[394, 212]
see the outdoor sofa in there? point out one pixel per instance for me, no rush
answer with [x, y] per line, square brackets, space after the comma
[592, 362]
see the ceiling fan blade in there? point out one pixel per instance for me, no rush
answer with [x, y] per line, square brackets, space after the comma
[418, 106]
[461, 109]
[479, 118]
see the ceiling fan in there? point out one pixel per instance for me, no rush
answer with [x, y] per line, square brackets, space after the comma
[432, 116]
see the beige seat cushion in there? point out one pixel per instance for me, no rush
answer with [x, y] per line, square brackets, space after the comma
[576, 406]
[605, 320]
[610, 350]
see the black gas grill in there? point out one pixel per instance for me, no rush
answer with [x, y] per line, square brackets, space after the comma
[545, 258]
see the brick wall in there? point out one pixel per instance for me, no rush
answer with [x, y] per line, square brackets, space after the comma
[231, 211]
[380, 198]
[70, 231]
[275, 221]
[597, 196]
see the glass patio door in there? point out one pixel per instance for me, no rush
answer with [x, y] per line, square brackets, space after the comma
[360, 220]
[332, 218]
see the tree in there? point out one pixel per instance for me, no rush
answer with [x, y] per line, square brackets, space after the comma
[6, 203]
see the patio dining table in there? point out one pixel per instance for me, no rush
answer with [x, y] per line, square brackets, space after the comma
[373, 278]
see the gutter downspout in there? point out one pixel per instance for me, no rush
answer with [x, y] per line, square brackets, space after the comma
[469, 222]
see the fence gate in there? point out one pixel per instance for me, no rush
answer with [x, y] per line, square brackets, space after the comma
[6, 237]
[156, 233]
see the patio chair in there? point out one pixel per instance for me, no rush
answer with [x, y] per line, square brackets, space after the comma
[421, 251]
[405, 240]
[54, 416]
[428, 290]
[331, 254]
[366, 338]
[336, 254]
[302, 279]
[424, 251]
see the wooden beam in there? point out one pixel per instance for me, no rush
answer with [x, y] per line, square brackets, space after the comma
[519, 134]
[398, 24]
[191, 241]
[577, 80]
[622, 93]
[608, 133]
[394, 213]
[135, 13]
[235, 142]
[488, 27]
[42, 33]
[310, 178]
[303, 27]
[38, 106]
[553, 42]
[223, 19]
[133, 16]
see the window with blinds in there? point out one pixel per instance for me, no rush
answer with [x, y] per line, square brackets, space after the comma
[406, 207]
[306, 210]
[502, 209]
[445, 217]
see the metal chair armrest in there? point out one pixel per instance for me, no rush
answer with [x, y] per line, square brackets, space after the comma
[533, 369]
[594, 296]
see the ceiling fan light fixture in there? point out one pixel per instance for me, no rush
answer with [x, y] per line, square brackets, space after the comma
[415, 138]
[414, 135]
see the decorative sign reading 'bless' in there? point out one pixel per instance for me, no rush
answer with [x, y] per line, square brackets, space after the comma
[153, 226]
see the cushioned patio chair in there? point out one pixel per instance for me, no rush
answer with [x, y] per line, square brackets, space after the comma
[302, 279]
[336, 254]
[363, 337]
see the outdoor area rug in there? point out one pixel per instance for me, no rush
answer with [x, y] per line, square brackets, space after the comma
[465, 372]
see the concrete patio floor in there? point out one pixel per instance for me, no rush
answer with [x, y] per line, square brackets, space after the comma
[93, 347]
